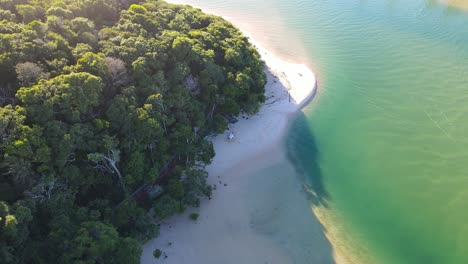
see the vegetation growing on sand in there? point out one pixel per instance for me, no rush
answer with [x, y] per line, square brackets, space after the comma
[194, 216]
[157, 253]
[97, 97]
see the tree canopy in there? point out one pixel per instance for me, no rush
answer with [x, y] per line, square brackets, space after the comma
[97, 97]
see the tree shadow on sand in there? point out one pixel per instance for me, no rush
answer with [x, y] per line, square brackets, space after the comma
[303, 153]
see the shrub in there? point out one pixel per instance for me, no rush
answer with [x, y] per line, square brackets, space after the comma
[157, 253]
[194, 216]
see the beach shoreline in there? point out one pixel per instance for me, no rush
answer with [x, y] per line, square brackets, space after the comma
[257, 139]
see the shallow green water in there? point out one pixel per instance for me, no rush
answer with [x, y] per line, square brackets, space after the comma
[390, 127]
[385, 143]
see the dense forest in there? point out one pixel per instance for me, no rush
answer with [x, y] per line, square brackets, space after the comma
[100, 99]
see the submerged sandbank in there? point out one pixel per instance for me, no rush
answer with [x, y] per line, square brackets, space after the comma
[461, 4]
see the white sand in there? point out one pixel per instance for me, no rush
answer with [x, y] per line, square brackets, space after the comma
[225, 232]
[289, 87]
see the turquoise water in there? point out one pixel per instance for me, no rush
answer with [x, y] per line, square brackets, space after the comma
[390, 126]
[384, 144]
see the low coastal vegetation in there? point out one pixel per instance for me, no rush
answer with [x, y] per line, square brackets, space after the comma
[105, 107]
[194, 216]
[157, 253]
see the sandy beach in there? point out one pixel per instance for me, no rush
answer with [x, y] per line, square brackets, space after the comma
[228, 229]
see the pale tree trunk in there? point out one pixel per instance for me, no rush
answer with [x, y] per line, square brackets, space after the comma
[113, 164]
[210, 115]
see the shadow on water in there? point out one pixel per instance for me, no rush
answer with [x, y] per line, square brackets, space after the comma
[303, 153]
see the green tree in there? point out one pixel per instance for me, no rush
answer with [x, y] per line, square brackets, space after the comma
[29, 73]
[29, 13]
[96, 242]
[71, 97]
[99, 100]
[94, 64]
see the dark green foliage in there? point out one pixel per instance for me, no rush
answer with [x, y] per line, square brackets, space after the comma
[194, 216]
[167, 206]
[97, 98]
[157, 253]
[131, 220]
